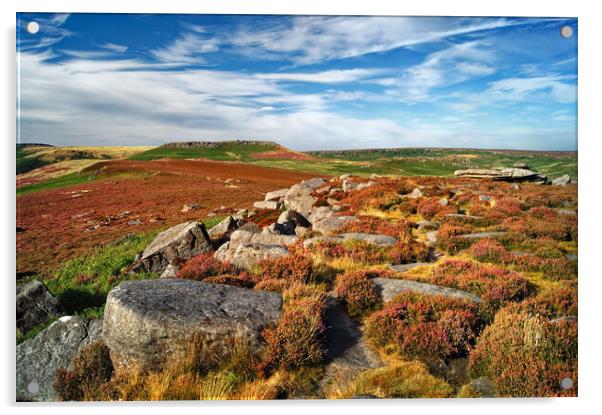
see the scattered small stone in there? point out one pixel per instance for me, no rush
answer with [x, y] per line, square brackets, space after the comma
[190, 206]
[416, 193]
[135, 222]
[562, 180]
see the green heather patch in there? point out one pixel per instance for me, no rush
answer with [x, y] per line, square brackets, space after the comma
[66, 180]
[224, 151]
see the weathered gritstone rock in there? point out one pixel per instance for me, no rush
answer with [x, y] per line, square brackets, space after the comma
[170, 272]
[39, 358]
[320, 212]
[390, 288]
[333, 224]
[148, 322]
[431, 238]
[374, 239]
[276, 195]
[562, 180]
[502, 173]
[269, 205]
[182, 241]
[294, 217]
[35, 305]
[223, 229]
[299, 196]
[416, 194]
[269, 236]
[246, 256]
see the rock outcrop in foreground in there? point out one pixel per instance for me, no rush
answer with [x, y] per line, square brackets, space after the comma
[39, 358]
[149, 322]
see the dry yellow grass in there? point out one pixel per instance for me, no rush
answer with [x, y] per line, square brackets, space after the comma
[57, 169]
[98, 152]
[382, 214]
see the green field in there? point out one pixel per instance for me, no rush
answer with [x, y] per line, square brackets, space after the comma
[223, 151]
[402, 161]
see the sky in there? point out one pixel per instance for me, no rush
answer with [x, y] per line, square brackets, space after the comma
[306, 82]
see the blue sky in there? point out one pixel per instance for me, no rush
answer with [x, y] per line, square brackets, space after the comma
[307, 82]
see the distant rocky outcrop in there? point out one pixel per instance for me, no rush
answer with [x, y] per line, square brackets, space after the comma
[35, 305]
[148, 322]
[39, 358]
[509, 174]
[214, 144]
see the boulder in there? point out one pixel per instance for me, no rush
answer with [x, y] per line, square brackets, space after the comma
[148, 322]
[390, 288]
[35, 305]
[246, 256]
[223, 229]
[170, 272]
[268, 205]
[275, 195]
[271, 236]
[301, 231]
[299, 196]
[190, 206]
[320, 212]
[562, 180]
[349, 185]
[39, 358]
[183, 241]
[509, 174]
[294, 217]
[416, 194]
[333, 224]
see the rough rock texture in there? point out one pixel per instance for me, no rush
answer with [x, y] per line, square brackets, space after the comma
[562, 180]
[510, 174]
[371, 238]
[39, 358]
[35, 305]
[271, 236]
[291, 216]
[269, 205]
[299, 197]
[170, 271]
[224, 228]
[333, 224]
[183, 241]
[416, 194]
[320, 212]
[246, 256]
[147, 322]
[390, 288]
[275, 195]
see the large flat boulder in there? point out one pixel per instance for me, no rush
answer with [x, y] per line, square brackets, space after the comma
[39, 358]
[333, 224]
[275, 195]
[390, 288]
[509, 174]
[148, 322]
[35, 305]
[183, 241]
[247, 256]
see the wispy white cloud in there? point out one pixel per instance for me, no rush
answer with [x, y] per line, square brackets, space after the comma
[307, 40]
[114, 47]
[186, 50]
[327, 77]
[559, 88]
[443, 68]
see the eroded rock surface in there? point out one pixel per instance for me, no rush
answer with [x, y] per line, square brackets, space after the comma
[147, 322]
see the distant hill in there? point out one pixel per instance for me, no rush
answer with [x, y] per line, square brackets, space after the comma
[232, 150]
